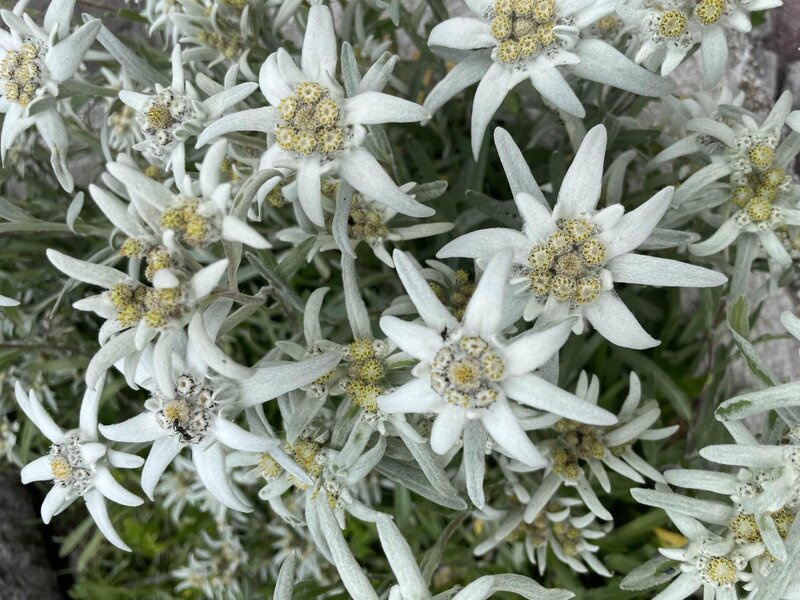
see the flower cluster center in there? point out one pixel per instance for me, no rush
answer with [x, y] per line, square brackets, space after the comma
[156, 257]
[306, 453]
[672, 24]
[364, 381]
[466, 373]
[720, 571]
[188, 415]
[21, 71]
[68, 467]
[162, 114]
[709, 12]
[567, 265]
[311, 121]
[366, 222]
[188, 220]
[459, 295]
[155, 305]
[758, 183]
[523, 28]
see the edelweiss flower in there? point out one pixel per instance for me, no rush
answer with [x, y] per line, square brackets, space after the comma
[760, 185]
[669, 29]
[708, 561]
[684, 120]
[567, 262]
[369, 221]
[554, 528]
[467, 370]
[35, 61]
[214, 567]
[513, 40]
[189, 408]
[320, 132]
[135, 312]
[78, 464]
[200, 214]
[598, 447]
[176, 113]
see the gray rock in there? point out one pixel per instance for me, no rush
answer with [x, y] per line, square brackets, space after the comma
[25, 572]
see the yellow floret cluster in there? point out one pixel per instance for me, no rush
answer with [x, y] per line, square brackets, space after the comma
[566, 265]
[756, 195]
[365, 375]
[191, 227]
[365, 222]
[21, 71]
[156, 307]
[709, 12]
[457, 298]
[523, 28]
[310, 121]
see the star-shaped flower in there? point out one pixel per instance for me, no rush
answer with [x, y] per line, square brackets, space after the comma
[35, 61]
[78, 464]
[468, 371]
[319, 130]
[508, 41]
[568, 261]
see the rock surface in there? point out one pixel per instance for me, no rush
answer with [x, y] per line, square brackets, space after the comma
[25, 570]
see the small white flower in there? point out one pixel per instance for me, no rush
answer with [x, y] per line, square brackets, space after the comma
[567, 262]
[598, 448]
[708, 561]
[136, 313]
[467, 370]
[35, 61]
[669, 29]
[759, 186]
[176, 113]
[78, 464]
[319, 131]
[187, 408]
[533, 39]
[200, 214]
[214, 567]
[369, 222]
[556, 528]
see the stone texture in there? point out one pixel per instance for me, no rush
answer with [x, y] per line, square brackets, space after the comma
[25, 571]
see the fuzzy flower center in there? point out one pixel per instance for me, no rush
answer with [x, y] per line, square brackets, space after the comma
[457, 298]
[21, 70]
[156, 257]
[268, 467]
[162, 114]
[466, 373]
[188, 220]
[68, 467]
[720, 571]
[523, 28]
[188, 415]
[567, 265]
[709, 12]
[758, 183]
[311, 121]
[366, 222]
[157, 306]
[672, 24]
[745, 529]
[364, 381]
[306, 454]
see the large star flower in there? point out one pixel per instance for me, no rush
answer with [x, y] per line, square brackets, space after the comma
[467, 370]
[569, 260]
[510, 41]
[319, 130]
